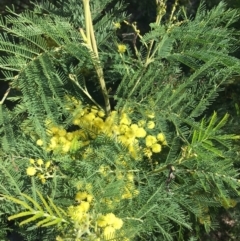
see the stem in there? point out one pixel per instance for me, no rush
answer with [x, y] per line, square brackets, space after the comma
[84, 90]
[87, 22]
[5, 95]
[91, 41]
[161, 10]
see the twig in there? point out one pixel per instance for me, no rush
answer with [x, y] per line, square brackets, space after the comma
[5, 95]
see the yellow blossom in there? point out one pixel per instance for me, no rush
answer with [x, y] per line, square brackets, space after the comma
[109, 232]
[102, 222]
[151, 115]
[66, 147]
[53, 130]
[118, 223]
[141, 123]
[164, 143]
[130, 176]
[98, 123]
[81, 196]
[161, 137]
[110, 218]
[130, 133]
[47, 164]
[150, 140]
[62, 139]
[62, 132]
[89, 117]
[122, 48]
[117, 25]
[123, 129]
[39, 162]
[147, 152]
[84, 206]
[150, 125]
[127, 195]
[94, 110]
[156, 148]
[125, 119]
[76, 122]
[89, 198]
[101, 113]
[39, 142]
[41, 176]
[31, 171]
[135, 192]
[140, 133]
[31, 161]
[70, 136]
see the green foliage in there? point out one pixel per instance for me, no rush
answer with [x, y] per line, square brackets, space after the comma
[107, 139]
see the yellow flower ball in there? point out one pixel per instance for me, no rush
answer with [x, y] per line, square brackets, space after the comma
[127, 195]
[39, 162]
[141, 123]
[80, 196]
[110, 218]
[150, 125]
[102, 222]
[39, 142]
[62, 132]
[53, 142]
[109, 232]
[77, 122]
[130, 176]
[156, 148]
[47, 164]
[147, 152]
[31, 171]
[62, 139]
[130, 133]
[98, 123]
[122, 48]
[125, 120]
[151, 115]
[123, 128]
[70, 136]
[53, 130]
[135, 192]
[94, 110]
[89, 117]
[117, 25]
[164, 143]
[84, 206]
[140, 133]
[89, 198]
[161, 137]
[150, 140]
[101, 113]
[118, 223]
[31, 161]
[66, 147]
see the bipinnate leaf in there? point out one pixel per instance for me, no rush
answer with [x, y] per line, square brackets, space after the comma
[49, 213]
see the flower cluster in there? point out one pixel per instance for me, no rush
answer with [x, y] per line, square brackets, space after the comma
[92, 122]
[109, 223]
[40, 169]
[85, 221]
